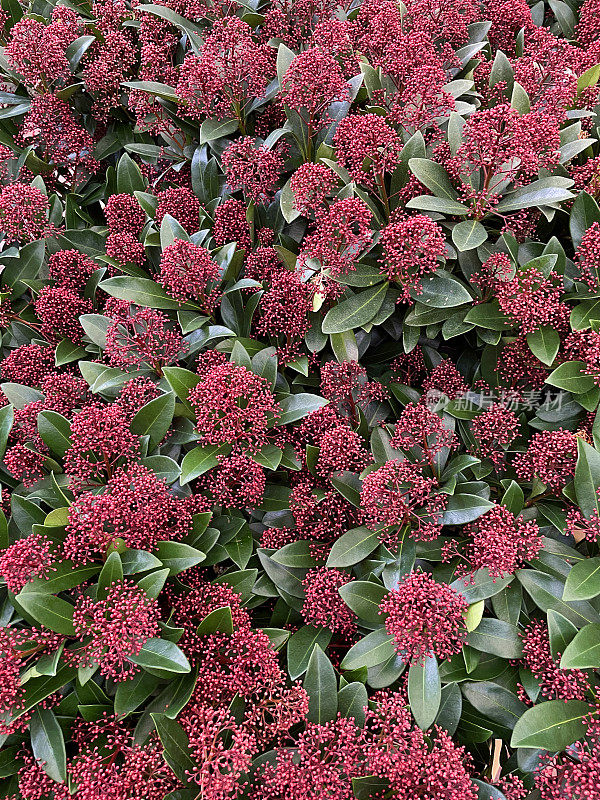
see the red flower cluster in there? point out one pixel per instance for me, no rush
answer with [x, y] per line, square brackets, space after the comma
[551, 456]
[425, 618]
[500, 542]
[233, 406]
[323, 604]
[114, 629]
[399, 494]
[188, 272]
[136, 509]
[555, 683]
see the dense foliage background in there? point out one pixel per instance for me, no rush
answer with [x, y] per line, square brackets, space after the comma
[300, 309]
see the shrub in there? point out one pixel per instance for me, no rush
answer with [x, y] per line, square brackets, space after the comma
[299, 405]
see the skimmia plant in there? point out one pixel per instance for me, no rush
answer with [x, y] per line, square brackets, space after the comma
[300, 377]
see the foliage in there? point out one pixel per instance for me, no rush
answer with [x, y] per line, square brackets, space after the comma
[300, 310]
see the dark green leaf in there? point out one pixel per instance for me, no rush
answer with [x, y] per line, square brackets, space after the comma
[552, 725]
[48, 744]
[297, 406]
[352, 547]
[373, 649]
[154, 419]
[544, 343]
[496, 637]
[301, 645]
[356, 311]
[583, 581]
[55, 431]
[424, 691]
[158, 654]
[178, 556]
[587, 478]
[495, 702]
[584, 651]
[352, 701]
[176, 746]
[219, 620]
[469, 235]
[364, 598]
[571, 376]
[49, 611]
[321, 685]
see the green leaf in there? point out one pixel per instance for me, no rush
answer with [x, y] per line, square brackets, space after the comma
[220, 620]
[587, 478]
[480, 585]
[544, 344]
[583, 652]
[141, 292]
[77, 49]
[364, 598]
[433, 176]
[584, 212]
[373, 649]
[285, 56]
[158, 654]
[47, 610]
[295, 554]
[546, 591]
[7, 416]
[212, 129]
[489, 316]
[344, 346]
[38, 689]
[561, 632]
[178, 556]
[112, 572]
[301, 645]
[182, 381]
[352, 547]
[369, 786]
[176, 746]
[552, 725]
[583, 581]
[442, 290]
[171, 231]
[153, 583]
[356, 311]
[496, 637]
[544, 191]
[26, 267]
[129, 176]
[348, 485]
[55, 431]
[352, 701]
[286, 579]
[469, 235]
[135, 561]
[424, 691]
[440, 205]
[65, 575]
[164, 467]
[495, 702]
[321, 685]
[571, 376]
[132, 693]
[463, 508]
[155, 88]
[297, 406]
[48, 744]
[154, 419]
[200, 460]
[287, 203]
